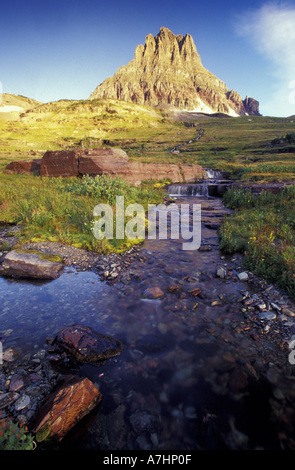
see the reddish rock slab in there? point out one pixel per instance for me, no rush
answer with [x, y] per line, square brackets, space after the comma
[191, 173]
[24, 166]
[65, 407]
[87, 345]
[60, 163]
[101, 161]
[108, 161]
[136, 172]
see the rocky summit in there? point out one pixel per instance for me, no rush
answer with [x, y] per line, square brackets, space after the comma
[168, 70]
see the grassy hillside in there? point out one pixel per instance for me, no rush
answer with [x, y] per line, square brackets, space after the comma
[242, 145]
[17, 100]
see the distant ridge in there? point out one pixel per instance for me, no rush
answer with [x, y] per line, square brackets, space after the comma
[168, 70]
[16, 103]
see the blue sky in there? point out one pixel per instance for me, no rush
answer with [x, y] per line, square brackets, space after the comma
[64, 49]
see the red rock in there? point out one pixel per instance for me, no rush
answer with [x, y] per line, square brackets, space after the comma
[191, 172]
[101, 161]
[60, 163]
[136, 172]
[24, 166]
[64, 408]
[109, 161]
[153, 293]
[86, 344]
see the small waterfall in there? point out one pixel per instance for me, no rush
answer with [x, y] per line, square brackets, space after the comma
[200, 189]
[215, 174]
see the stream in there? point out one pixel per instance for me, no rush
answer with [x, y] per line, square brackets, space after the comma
[190, 376]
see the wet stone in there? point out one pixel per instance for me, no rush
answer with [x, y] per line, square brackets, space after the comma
[22, 402]
[6, 399]
[153, 293]
[221, 272]
[267, 316]
[86, 344]
[16, 383]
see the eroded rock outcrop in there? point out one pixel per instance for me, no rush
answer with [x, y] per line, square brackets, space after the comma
[24, 166]
[114, 162]
[76, 162]
[168, 70]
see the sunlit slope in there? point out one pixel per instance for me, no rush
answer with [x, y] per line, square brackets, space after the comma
[244, 145]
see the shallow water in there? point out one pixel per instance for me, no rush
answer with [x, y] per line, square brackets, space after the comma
[177, 384]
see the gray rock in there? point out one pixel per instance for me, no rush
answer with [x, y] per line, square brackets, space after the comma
[267, 316]
[221, 272]
[243, 276]
[30, 265]
[288, 312]
[22, 402]
[6, 399]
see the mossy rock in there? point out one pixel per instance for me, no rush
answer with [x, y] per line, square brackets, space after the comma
[44, 432]
[44, 256]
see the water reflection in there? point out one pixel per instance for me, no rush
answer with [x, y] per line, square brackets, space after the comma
[36, 309]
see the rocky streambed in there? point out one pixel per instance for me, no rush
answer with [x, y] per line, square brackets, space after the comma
[207, 346]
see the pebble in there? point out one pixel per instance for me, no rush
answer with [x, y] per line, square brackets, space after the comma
[221, 272]
[267, 316]
[22, 402]
[6, 399]
[288, 312]
[243, 276]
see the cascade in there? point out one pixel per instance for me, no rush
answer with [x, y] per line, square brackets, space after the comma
[215, 174]
[214, 186]
[200, 189]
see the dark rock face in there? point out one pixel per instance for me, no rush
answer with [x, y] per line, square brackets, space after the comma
[168, 70]
[251, 106]
[86, 345]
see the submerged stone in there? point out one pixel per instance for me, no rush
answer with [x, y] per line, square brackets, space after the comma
[86, 344]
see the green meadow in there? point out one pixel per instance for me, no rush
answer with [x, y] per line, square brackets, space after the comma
[252, 149]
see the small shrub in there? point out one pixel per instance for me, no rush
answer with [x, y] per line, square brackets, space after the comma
[14, 437]
[262, 227]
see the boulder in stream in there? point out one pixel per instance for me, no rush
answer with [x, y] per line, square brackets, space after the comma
[31, 264]
[87, 345]
[65, 407]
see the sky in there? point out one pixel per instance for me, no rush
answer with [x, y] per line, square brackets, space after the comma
[63, 49]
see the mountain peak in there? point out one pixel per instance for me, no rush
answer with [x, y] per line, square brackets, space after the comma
[167, 69]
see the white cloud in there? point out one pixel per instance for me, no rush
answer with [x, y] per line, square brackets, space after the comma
[271, 31]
